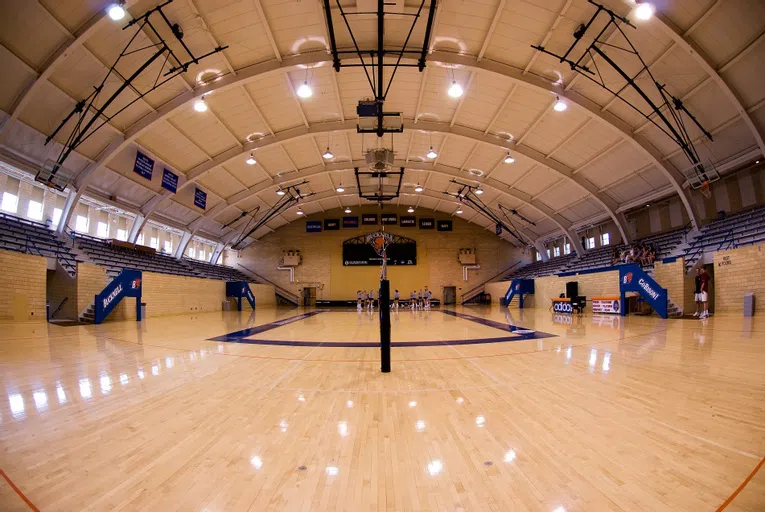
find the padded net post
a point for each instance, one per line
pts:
(384, 326)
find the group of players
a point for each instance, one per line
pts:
(417, 300)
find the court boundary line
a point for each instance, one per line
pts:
(740, 487)
(18, 492)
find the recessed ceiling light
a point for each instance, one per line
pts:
(251, 160)
(305, 91)
(115, 11)
(560, 105)
(340, 189)
(479, 191)
(455, 91)
(200, 105)
(419, 188)
(432, 153)
(509, 159)
(280, 192)
(327, 154)
(347, 210)
(410, 210)
(644, 11)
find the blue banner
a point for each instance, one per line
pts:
(169, 181)
(200, 198)
(240, 289)
(126, 284)
(408, 222)
(498, 229)
(313, 226)
(143, 165)
(350, 222)
(633, 279)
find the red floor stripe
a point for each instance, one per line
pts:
(18, 491)
(741, 487)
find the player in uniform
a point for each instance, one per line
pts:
(426, 298)
(371, 302)
(413, 300)
(419, 299)
(697, 293)
(704, 292)
(395, 299)
(363, 299)
(358, 300)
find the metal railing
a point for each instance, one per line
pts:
(293, 297)
(467, 295)
(59, 307)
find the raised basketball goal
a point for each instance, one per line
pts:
(380, 240)
(54, 175)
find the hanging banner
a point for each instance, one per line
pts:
(408, 222)
(143, 165)
(313, 226)
(169, 181)
(389, 218)
(200, 198)
(427, 223)
(350, 222)
(498, 229)
(444, 225)
(331, 224)
(369, 219)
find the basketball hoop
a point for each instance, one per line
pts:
(706, 190)
(380, 240)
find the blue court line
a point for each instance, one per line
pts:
(519, 334)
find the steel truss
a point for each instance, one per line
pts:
(379, 195)
(671, 124)
(374, 63)
(90, 114)
(467, 195)
(292, 195)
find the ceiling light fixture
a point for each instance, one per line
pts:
(299, 211)
(115, 11)
(327, 154)
(419, 188)
(251, 160)
(200, 105)
(305, 91)
(280, 192)
(560, 105)
(432, 153)
(340, 189)
(459, 210)
(455, 91)
(347, 209)
(509, 159)
(410, 210)
(644, 10)
(479, 191)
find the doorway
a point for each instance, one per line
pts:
(309, 296)
(450, 295)
(710, 268)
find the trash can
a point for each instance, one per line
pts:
(748, 304)
(143, 311)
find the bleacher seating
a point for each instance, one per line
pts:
(595, 258)
(26, 236)
(115, 258)
(542, 268)
(743, 228)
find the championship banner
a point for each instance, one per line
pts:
(169, 180)
(611, 305)
(444, 225)
(313, 226)
(331, 224)
(389, 218)
(369, 219)
(360, 250)
(200, 198)
(350, 222)
(143, 165)
(427, 223)
(408, 222)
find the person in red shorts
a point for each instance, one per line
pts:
(704, 293)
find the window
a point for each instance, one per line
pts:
(201, 254)
(556, 251)
(35, 210)
(220, 259)
(154, 242)
(192, 252)
(10, 202)
(605, 239)
(81, 224)
(539, 257)
(102, 230)
(140, 239)
(169, 246)
(122, 234)
(590, 242)
(567, 248)
(56, 216)
(548, 253)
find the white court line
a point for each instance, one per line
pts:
(708, 441)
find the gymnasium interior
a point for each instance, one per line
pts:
(399, 255)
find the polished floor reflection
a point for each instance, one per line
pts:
(567, 413)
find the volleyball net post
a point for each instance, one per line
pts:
(380, 241)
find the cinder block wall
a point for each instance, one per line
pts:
(590, 285)
(737, 272)
(91, 279)
(322, 265)
(22, 295)
(265, 295)
(672, 277)
(497, 290)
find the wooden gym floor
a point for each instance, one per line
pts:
(239, 411)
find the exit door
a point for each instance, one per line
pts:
(309, 296)
(450, 295)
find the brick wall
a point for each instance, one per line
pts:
(672, 277)
(60, 285)
(590, 285)
(22, 296)
(91, 279)
(265, 295)
(497, 290)
(737, 272)
(322, 265)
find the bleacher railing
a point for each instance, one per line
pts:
(292, 297)
(477, 289)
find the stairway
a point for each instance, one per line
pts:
(89, 315)
(673, 309)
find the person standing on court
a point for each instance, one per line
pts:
(371, 303)
(358, 300)
(705, 292)
(697, 292)
(395, 299)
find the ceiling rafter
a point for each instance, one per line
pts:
(423, 83)
(558, 18)
(513, 88)
(492, 28)
(463, 98)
